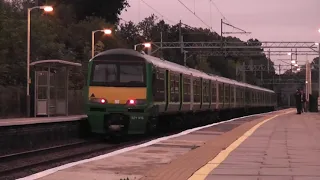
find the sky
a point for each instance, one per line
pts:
(268, 20)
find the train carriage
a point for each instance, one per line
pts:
(130, 93)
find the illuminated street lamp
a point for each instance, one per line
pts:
(298, 69)
(317, 44)
(45, 9)
(296, 65)
(105, 31)
(289, 54)
(146, 45)
(293, 61)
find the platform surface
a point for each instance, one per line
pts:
(36, 120)
(286, 148)
(176, 157)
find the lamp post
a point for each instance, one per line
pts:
(319, 70)
(105, 31)
(318, 44)
(46, 9)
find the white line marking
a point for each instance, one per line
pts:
(127, 149)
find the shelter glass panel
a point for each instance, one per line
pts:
(42, 78)
(42, 92)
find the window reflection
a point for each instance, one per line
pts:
(105, 73)
(131, 73)
(118, 74)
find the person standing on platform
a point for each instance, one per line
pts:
(298, 98)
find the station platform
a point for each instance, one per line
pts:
(37, 120)
(278, 146)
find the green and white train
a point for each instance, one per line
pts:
(133, 93)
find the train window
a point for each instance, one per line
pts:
(243, 95)
(247, 95)
(104, 73)
(253, 97)
(197, 90)
(206, 91)
(238, 94)
(159, 85)
(232, 93)
(213, 91)
(131, 73)
(260, 97)
(221, 93)
(174, 87)
(226, 93)
(186, 88)
(118, 74)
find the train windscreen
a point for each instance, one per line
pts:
(118, 74)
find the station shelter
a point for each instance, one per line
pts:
(49, 87)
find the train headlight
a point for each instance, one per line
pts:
(133, 102)
(98, 100)
(102, 101)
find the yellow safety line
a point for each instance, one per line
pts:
(204, 171)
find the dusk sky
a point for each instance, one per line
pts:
(268, 20)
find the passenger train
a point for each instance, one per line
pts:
(133, 93)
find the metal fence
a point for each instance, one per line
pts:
(13, 102)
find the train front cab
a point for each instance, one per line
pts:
(117, 94)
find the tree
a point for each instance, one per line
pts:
(129, 33)
(63, 35)
(109, 10)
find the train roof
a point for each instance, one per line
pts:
(122, 51)
(185, 70)
(177, 68)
